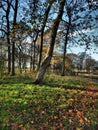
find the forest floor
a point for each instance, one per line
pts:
(59, 103)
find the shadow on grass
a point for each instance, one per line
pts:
(70, 87)
(26, 80)
(17, 80)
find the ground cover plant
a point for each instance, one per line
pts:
(59, 103)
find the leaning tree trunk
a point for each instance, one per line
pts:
(48, 57)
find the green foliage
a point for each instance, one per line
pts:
(27, 106)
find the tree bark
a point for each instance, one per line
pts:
(48, 57)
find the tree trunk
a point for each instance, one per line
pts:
(9, 55)
(8, 37)
(31, 61)
(20, 66)
(42, 33)
(34, 56)
(47, 60)
(66, 42)
(64, 53)
(13, 39)
(63, 62)
(42, 69)
(34, 46)
(13, 58)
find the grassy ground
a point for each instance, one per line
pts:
(59, 103)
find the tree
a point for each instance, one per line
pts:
(15, 8)
(90, 64)
(41, 16)
(68, 10)
(35, 36)
(8, 27)
(81, 57)
(1, 57)
(42, 30)
(21, 43)
(76, 24)
(6, 8)
(48, 57)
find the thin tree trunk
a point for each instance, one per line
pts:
(20, 59)
(9, 55)
(13, 58)
(34, 57)
(64, 52)
(42, 33)
(31, 61)
(63, 62)
(47, 60)
(20, 67)
(13, 43)
(8, 39)
(66, 42)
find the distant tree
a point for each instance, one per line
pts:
(3, 57)
(90, 64)
(81, 57)
(8, 23)
(21, 34)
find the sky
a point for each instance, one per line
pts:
(93, 51)
(77, 50)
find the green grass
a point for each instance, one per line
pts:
(67, 81)
(58, 103)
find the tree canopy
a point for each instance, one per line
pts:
(46, 27)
